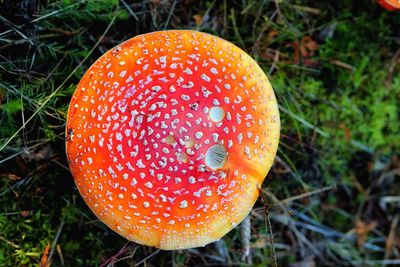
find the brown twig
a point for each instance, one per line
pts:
(147, 258)
(9, 242)
(391, 239)
(306, 194)
(274, 63)
(114, 258)
(268, 225)
(311, 10)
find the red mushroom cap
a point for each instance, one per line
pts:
(390, 5)
(170, 136)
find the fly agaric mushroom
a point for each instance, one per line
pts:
(390, 5)
(170, 136)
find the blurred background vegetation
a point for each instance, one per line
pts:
(333, 192)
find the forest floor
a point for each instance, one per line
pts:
(333, 192)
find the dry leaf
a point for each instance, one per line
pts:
(271, 35)
(362, 230)
(311, 63)
(10, 176)
(347, 132)
(310, 43)
(296, 53)
(44, 260)
(260, 243)
(304, 49)
(198, 19)
(25, 213)
(308, 46)
(2, 94)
